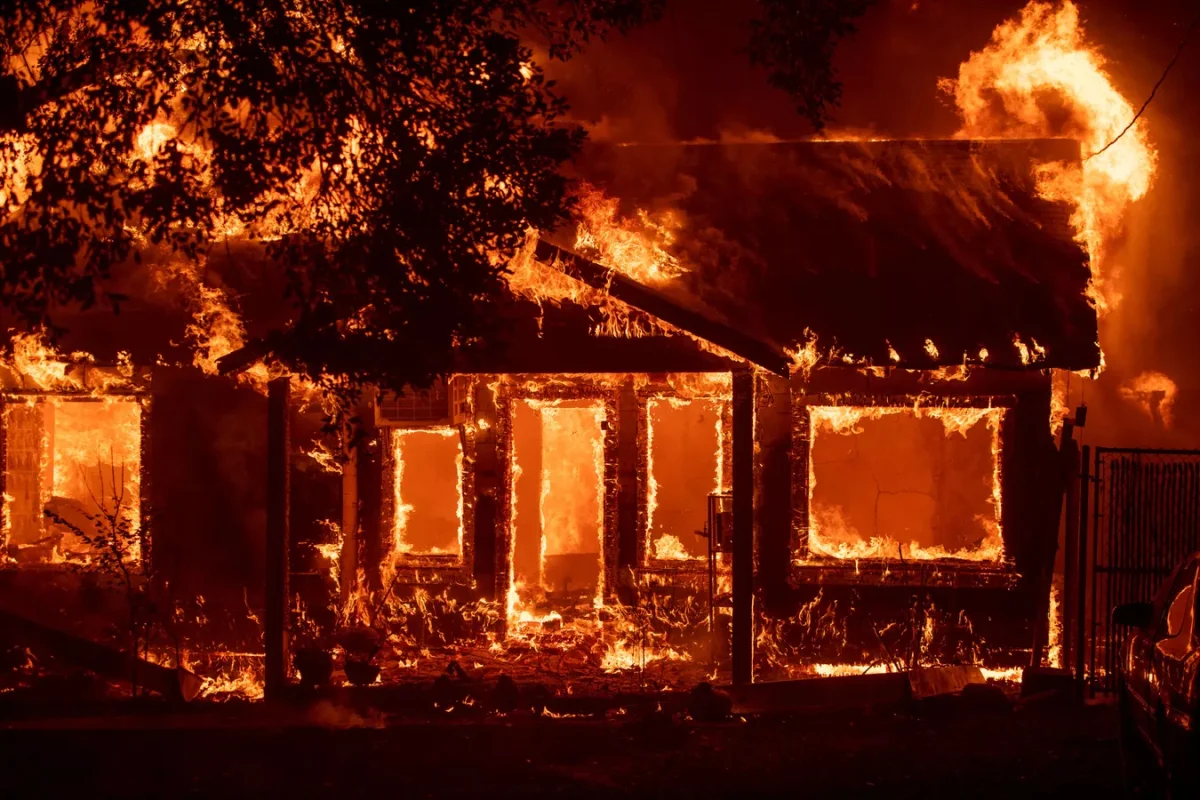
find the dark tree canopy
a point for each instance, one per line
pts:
(794, 41)
(387, 156)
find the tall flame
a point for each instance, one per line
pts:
(1154, 393)
(1037, 66)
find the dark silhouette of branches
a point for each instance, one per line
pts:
(794, 41)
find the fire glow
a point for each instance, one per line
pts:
(665, 539)
(1043, 53)
(73, 449)
(426, 450)
(831, 535)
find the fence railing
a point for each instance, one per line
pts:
(1143, 520)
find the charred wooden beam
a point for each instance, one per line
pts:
(275, 639)
(174, 684)
(242, 359)
(645, 299)
(743, 527)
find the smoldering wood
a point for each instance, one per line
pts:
(878, 689)
(174, 684)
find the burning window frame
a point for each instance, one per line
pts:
(803, 561)
(459, 417)
(702, 387)
(88, 384)
(602, 388)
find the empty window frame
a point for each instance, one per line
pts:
(888, 482)
(72, 477)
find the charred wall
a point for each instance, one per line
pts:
(207, 442)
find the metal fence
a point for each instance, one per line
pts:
(1144, 519)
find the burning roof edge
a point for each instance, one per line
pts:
(947, 245)
(664, 308)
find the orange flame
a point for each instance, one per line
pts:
(1154, 393)
(1017, 87)
(638, 249)
(831, 536)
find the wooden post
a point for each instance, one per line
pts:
(743, 527)
(487, 490)
(348, 562)
(627, 481)
(278, 497)
(1081, 571)
(1070, 555)
(773, 494)
(370, 495)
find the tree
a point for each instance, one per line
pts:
(794, 41)
(387, 157)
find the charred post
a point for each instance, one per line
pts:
(348, 567)
(278, 491)
(627, 478)
(487, 478)
(370, 495)
(743, 527)
(773, 418)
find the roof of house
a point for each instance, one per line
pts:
(869, 244)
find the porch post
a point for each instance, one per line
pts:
(743, 527)
(627, 486)
(487, 491)
(278, 495)
(348, 560)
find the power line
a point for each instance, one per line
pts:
(1178, 50)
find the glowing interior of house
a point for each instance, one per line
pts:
(686, 461)
(557, 517)
(427, 480)
(904, 483)
(72, 470)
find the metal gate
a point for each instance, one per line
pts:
(1144, 519)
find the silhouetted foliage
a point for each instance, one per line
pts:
(794, 41)
(388, 157)
(118, 557)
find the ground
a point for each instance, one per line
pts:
(945, 750)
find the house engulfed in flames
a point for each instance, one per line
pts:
(770, 410)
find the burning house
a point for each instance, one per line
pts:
(792, 402)
(770, 410)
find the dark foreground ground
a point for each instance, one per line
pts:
(945, 751)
